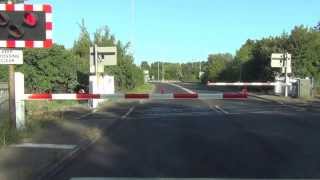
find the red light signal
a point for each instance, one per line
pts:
(30, 19)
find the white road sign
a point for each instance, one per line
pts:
(278, 60)
(8, 56)
(107, 56)
(277, 56)
(277, 63)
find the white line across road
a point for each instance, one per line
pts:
(130, 178)
(128, 113)
(221, 110)
(45, 146)
(183, 88)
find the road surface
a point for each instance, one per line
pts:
(212, 138)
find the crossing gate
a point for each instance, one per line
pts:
(243, 84)
(84, 97)
(21, 97)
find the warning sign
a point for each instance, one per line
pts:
(8, 56)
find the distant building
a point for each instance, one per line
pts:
(146, 76)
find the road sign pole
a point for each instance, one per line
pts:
(158, 71)
(286, 74)
(12, 101)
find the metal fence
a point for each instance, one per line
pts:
(3, 90)
(3, 100)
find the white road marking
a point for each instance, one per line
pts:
(221, 110)
(213, 109)
(128, 113)
(85, 115)
(183, 88)
(45, 146)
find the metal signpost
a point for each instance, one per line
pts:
(11, 57)
(101, 57)
(22, 26)
(283, 61)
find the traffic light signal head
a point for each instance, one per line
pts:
(25, 26)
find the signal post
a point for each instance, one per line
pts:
(22, 26)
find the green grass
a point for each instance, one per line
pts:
(145, 88)
(39, 115)
(318, 91)
(7, 134)
(41, 106)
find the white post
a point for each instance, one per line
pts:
(93, 89)
(94, 80)
(20, 104)
(286, 75)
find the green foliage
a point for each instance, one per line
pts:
(8, 135)
(49, 70)
(252, 60)
(127, 74)
(216, 64)
(3, 73)
(145, 65)
(145, 88)
(82, 45)
(176, 71)
(60, 70)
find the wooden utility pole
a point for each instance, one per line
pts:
(12, 101)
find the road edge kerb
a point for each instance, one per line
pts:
(53, 168)
(266, 99)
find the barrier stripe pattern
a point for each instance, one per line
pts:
(242, 84)
(225, 95)
(47, 43)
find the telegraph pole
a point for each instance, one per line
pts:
(12, 99)
(286, 73)
(12, 94)
(162, 72)
(158, 71)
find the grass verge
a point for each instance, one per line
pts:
(145, 88)
(38, 115)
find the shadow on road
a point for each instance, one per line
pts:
(212, 145)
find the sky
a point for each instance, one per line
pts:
(181, 30)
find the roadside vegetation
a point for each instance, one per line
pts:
(62, 70)
(39, 114)
(251, 61)
(145, 88)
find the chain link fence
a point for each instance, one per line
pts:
(3, 101)
(316, 88)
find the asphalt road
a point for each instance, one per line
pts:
(213, 138)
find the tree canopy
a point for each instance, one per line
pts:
(66, 70)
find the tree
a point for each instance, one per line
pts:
(305, 49)
(49, 70)
(317, 27)
(145, 65)
(244, 54)
(82, 45)
(216, 65)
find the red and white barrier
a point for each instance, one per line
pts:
(226, 95)
(242, 84)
